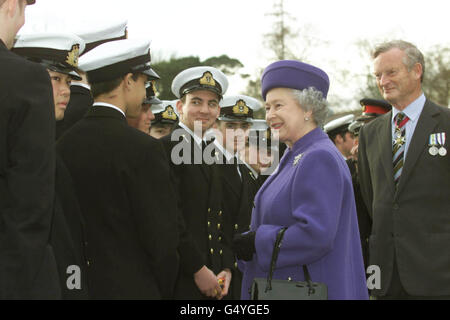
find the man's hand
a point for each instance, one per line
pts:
(354, 153)
(226, 275)
(207, 283)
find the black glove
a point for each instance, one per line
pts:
(244, 245)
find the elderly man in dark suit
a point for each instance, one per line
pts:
(121, 177)
(405, 180)
(27, 168)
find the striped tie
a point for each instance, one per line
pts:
(398, 148)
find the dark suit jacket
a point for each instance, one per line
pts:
(410, 224)
(68, 237)
(27, 169)
(80, 102)
(122, 180)
(364, 219)
(199, 196)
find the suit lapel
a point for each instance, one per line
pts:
(385, 148)
(231, 177)
(192, 146)
(425, 125)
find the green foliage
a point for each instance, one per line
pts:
(436, 82)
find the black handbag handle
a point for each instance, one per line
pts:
(273, 262)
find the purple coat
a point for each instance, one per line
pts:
(311, 193)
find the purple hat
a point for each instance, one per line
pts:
(295, 75)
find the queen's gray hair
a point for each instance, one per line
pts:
(413, 55)
(312, 100)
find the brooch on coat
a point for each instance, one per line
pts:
(297, 159)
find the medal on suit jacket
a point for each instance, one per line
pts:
(441, 141)
(433, 145)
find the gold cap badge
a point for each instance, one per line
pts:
(207, 79)
(72, 55)
(240, 108)
(169, 114)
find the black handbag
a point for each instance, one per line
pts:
(273, 289)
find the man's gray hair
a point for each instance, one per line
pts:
(312, 100)
(413, 55)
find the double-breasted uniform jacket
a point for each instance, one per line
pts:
(121, 177)
(201, 222)
(27, 169)
(238, 192)
(80, 102)
(411, 223)
(311, 194)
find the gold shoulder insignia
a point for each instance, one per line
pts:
(169, 114)
(240, 108)
(72, 56)
(207, 79)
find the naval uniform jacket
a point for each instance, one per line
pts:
(80, 102)
(311, 194)
(238, 194)
(201, 222)
(121, 178)
(411, 224)
(27, 170)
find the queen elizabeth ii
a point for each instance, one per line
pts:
(310, 193)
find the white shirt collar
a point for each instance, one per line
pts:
(104, 104)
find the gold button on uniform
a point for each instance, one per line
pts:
(220, 239)
(218, 226)
(220, 213)
(220, 252)
(209, 224)
(212, 251)
(210, 237)
(236, 227)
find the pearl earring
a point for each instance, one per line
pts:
(306, 119)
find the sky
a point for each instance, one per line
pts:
(236, 28)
